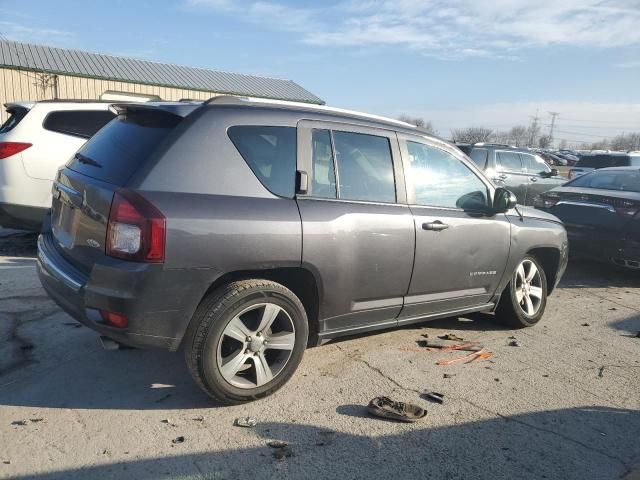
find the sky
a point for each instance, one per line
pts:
(457, 63)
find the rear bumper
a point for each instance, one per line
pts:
(611, 249)
(21, 217)
(158, 303)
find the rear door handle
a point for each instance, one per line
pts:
(533, 179)
(500, 178)
(435, 226)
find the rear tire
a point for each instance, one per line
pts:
(524, 299)
(246, 340)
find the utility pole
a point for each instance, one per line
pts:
(534, 129)
(553, 123)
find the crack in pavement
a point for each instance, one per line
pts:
(506, 418)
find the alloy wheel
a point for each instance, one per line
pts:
(528, 287)
(256, 345)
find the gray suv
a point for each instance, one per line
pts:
(247, 230)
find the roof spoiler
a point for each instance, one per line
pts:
(179, 109)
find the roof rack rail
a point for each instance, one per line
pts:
(491, 144)
(255, 101)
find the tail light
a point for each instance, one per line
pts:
(547, 200)
(136, 229)
(114, 319)
(11, 148)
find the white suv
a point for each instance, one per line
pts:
(35, 141)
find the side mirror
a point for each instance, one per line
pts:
(503, 200)
(553, 172)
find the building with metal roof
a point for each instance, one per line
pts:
(37, 72)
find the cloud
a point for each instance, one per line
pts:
(448, 28)
(24, 33)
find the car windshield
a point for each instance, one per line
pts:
(625, 180)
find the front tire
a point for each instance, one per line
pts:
(524, 299)
(246, 340)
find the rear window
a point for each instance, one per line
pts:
(270, 152)
(624, 180)
(16, 114)
(79, 123)
(117, 150)
(603, 161)
(479, 157)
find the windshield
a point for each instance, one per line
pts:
(624, 180)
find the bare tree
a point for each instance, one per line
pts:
(471, 134)
(624, 142)
(544, 141)
(518, 136)
(418, 122)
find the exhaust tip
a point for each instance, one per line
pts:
(108, 343)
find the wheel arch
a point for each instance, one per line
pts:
(549, 258)
(297, 279)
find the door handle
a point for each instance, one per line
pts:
(500, 178)
(435, 226)
(533, 179)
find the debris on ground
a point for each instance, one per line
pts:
(168, 422)
(445, 347)
(613, 308)
(448, 375)
(283, 452)
(177, 440)
(277, 444)
(19, 423)
(496, 379)
(601, 371)
(384, 407)
(199, 418)
(36, 420)
(247, 422)
(472, 357)
(7, 462)
(586, 325)
(451, 336)
(433, 397)
(514, 343)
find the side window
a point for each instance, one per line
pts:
(529, 162)
(479, 157)
(365, 168)
(509, 161)
(270, 152)
(323, 175)
(79, 123)
(441, 180)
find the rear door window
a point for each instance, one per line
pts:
(270, 152)
(509, 161)
(79, 123)
(365, 167)
(117, 150)
(16, 114)
(533, 164)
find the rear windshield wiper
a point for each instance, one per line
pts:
(86, 160)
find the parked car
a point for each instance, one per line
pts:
(246, 230)
(552, 159)
(600, 211)
(570, 156)
(35, 141)
(593, 161)
(522, 171)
